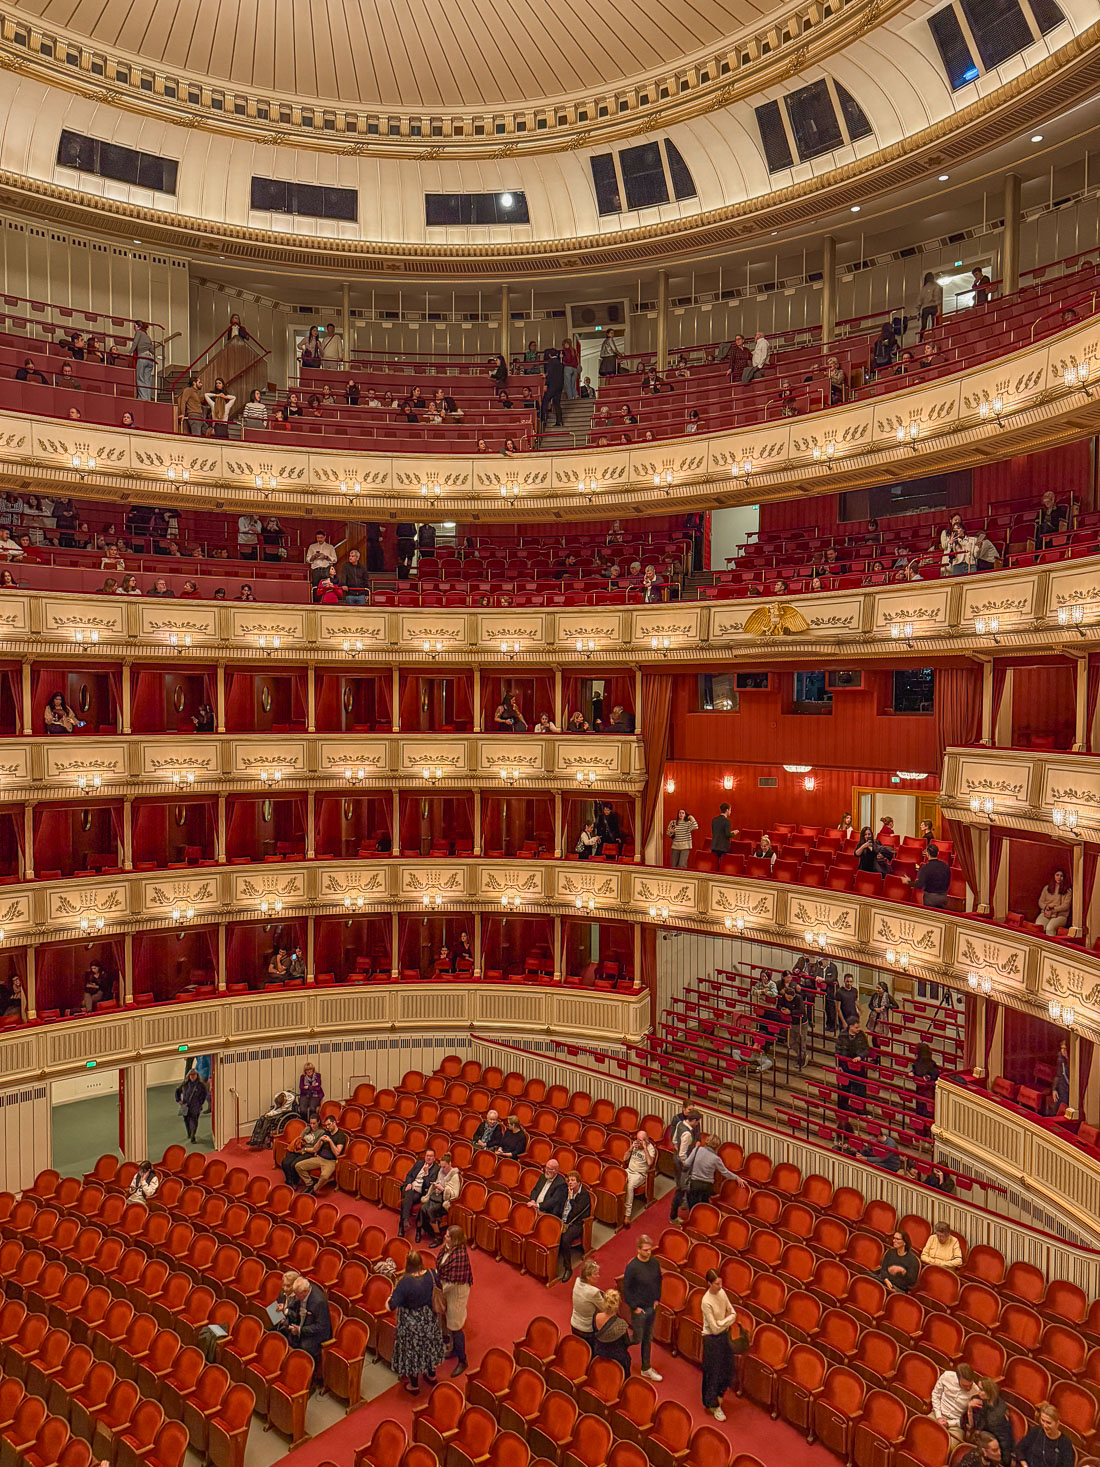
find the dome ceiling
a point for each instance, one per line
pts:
(404, 53)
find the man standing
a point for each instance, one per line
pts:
(308, 1321)
(326, 1154)
(760, 353)
(332, 346)
(933, 879)
(554, 377)
(793, 1010)
(641, 1290)
(848, 999)
(705, 1165)
(852, 1050)
(320, 558)
(548, 1193)
(414, 1188)
(576, 1208)
(720, 832)
(686, 1130)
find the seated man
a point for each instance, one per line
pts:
(328, 1152)
(308, 1323)
(305, 1145)
(576, 1207)
(414, 1188)
(548, 1193)
(489, 1134)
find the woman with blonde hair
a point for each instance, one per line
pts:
(587, 1298)
(612, 1333)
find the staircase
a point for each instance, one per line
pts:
(576, 423)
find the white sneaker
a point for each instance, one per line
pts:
(651, 1374)
(718, 1414)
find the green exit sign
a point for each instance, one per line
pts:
(183, 1048)
(90, 1064)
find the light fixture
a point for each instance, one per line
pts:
(944, 177)
(981, 804)
(727, 781)
(1076, 375)
(1036, 137)
(661, 645)
(183, 914)
(827, 452)
(89, 781)
(183, 777)
(353, 646)
(586, 646)
(358, 902)
(798, 768)
(809, 782)
(587, 486)
(988, 626)
(897, 959)
(1064, 817)
(855, 209)
(510, 776)
(83, 462)
(431, 899)
(269, 641)
(350, 488)
(506, 201)
(178, 473)
(90, 637)
(510, 649)
(670, 786)
(509, 491)
(742, 467)
(902, 631)
(433, 649)
(271, 776)
(1062, 1013)
(271, 906)
(815, 939)
(659, 914)
(910, 774)
(266, 481)
(662, 476)
(1071, 616)
(992, 407)
(737, 922)
(355, 776)
(93, 923)
(510, 900)
(433, 776)
(180, 643)
(586, 776)
(431, 489)
(909, 433)
(585, 902)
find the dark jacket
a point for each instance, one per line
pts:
(554, 1200)
(489, 1134)
(553, 373)
(314, 1322)
(720, 831)
(354, 577)
(994, 1419)
(581, 1208)
(192, 1096)
(413, 1172)
(513, 1143)
(1037, 1450)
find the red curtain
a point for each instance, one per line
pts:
(1000, 670)
(958, 706)
(1088, 885)
(963, 840)
(1093, 691)
(992, 1019)
(656, 724)
(1085, 1052)
(996, 844)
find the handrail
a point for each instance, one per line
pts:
(262, 353)
(72, 312)
(1060, 310)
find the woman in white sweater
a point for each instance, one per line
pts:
(681, 828)
(718, 1315)
(587, 1298)
(1055, 904)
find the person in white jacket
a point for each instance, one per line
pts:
(761, 350)
(640, 1160)
(145, 1184)
(442, 1192)
(951, 1395)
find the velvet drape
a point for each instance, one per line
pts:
(655, 718)
(958, 706)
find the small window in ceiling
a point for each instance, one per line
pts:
(498, 208)
(314, 201)
(813, 121)
(855, 119)
(996, 29)
(170, 90)
(683, 185)
(999, 28)
(607, 185)
(643, 176)
(110, 160)
(777, 149)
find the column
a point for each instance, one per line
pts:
(396, 812)
(987, 702)
(28, 842)
(220, 852)
(127, 835)
(478, 726)
(311, 844)
(477, 822)
(1002, 729)
(1077, 913)
(828, 291)
(1010, 240)
(345, 312)
(220, 699)
(639, 815)
(30, 986)
(662, 320)
(477, 945)
(28, 716)
(311, 699)
(559, 833)
(127, 975)
(557, 697)
(395, 960)
(558, 964)
(1072, 1113)
(1081, 705)
(126, 698)
(311, 924)
(981, 856)
(223, 977)
(395, 694)
(505, 341)
(134, 1115)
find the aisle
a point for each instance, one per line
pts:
(502, 1303)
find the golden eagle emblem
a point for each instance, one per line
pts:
(780, 620)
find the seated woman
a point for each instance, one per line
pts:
(900, 1265)
(281, 1109)
(765, 851)
(1055, 904)
(276, 965)
(59, 718)
(442, 1192)
(303, 1146)
(514, 1142)
(144, 1185)
(97, 988)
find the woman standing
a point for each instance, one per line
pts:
(612, 1336)
(587, 1298)
(881, 1003)
(455, 1274)
(418, 1341)
(929, 302)
(718, 1315)
(681, 828)
(311, 1092)
(191, 1097)
(571, 363)
(220, 402)
(310, 349)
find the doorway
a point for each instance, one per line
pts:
(907, 811)
(164, 1125)
(86, 1121)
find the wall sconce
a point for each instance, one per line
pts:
(83, 461)
(798, 768)
(512, 900)
(266, 481)
(670, 786)
(1064, 817)
(89, 781)
(510, 776)
(509, 491)
(89, 637)
(271, 906)
(981, 804)
(179, 643)
(177, 474)
(988, 626)
(659, 914)
(183, 914)
(735, 923)
(992, 407)
(662, 476)
(181, 778)
(661, 645)
(585, 903)
(358, 902)
(93, 923)
(269, 642)
(1062, 1013)
(815, 939)
(744, 467)
(1071, 616)
(909, 434)
(975, 982)
(433, 776)
(271, 776)
(586, 646)
(509, 649)
(828, 452)
(3, 933)
(587, 486)
(431, 899)
(431, 489)
(727, 781)
(433, 649)
(1075, 376)
(354, 776)
(902, 631)
(586, 776)
(809, 782)
(350, 488)
(897, 959)
(910, 774)
(352, 648)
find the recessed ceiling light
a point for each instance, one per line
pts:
(855, 208)
(506, 200)
(944, 177)
(1036, 137)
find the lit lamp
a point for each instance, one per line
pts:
(509, 491)
(271, 906)
(358, 902)
(981, 804)
(1062, 1013)
(727, 781)
(183, 777)
(977, 981)
(902, 631)
(355, 776)
(585, 902)
(661, 645)
(433, 776)
(809, 782)
(586, 776)
(180, 643)
(988, 626)
(828, 452)
(509, 649)
(742, 467)
(353, 646)
(735, 923)
(1064, 816)
(587, 486)
(659, 914)
(431, 489)
(509, 776)
(586, 646)
(510, 900)
(433, 649)
(909, 433)
(183, 914)
(431, 899)
(83, 461)
(92, 923)
(350, 488)
(1072, 616)
(1075, 376)
(662, 476)
(897, 959)
(88, 781)
(266, 481)
(992, 407)
(178, 474)
(270, 642)
(271, 776)
(91, 636)
(670, 786)
(815, 939)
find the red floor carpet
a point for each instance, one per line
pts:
(502, 1303)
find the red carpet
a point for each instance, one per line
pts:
(501, 1305)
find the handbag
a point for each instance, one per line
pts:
(439, 1299)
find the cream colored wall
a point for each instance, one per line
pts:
(211, 309)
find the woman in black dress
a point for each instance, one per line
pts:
(418, 1342)
(866, 851)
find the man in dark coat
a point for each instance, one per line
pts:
(720, 832)
(548, 1193)
(308, 1321)
(414, 1188)
(553, 373)
(191, 1097)
(576, 1207)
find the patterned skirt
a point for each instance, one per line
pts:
(418, 1343)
